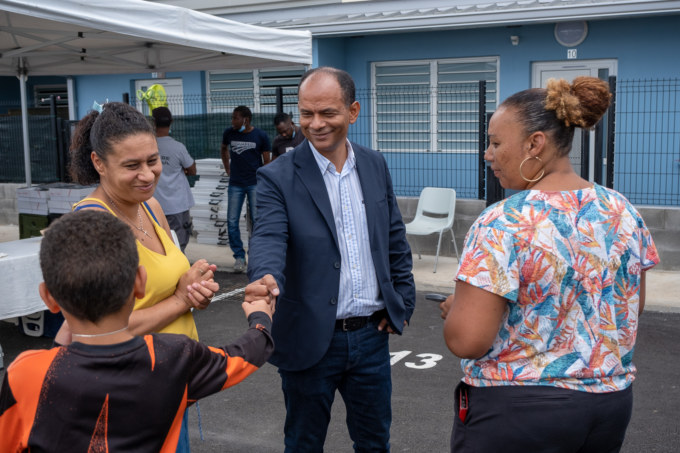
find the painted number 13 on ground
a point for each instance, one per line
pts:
(425, 360)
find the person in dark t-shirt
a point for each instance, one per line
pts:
(289, 136)
(244, 149)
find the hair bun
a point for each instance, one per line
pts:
(566, 105)
(581, 103)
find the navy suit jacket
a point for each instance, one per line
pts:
(295, 240)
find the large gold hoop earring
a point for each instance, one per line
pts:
(539, 176)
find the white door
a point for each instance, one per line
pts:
(173, 91)
(568, 70)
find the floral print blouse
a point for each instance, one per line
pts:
(569, 264)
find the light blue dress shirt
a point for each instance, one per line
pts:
(359, 293)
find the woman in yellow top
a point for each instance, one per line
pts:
(117, 149)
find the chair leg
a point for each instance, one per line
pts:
(436, 258)
(455, 246)
(415, 244)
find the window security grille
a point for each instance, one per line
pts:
(430, 106)
(42, 93)
(255, 89)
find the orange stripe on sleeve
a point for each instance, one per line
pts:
(237, 370)
(26, 376)
(217, 351)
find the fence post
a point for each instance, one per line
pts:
(64, 132)
(279, 100)
(599, 152)
(126, 98)
(24, 122)
(611, 129)
(481, 139)
(54, 128)
(489, 186)
(494, 191)
(585, 156)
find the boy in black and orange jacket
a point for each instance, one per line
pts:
(108, 390)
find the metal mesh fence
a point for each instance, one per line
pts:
(429, 137)
(43, 148)
(423, 146)
(647, 141)
(199, 121)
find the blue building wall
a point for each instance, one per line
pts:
(642, 47)
(99, 88)
(330, 52)
(635, 43)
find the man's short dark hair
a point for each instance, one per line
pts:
(162, 116)
(344, 80)
(89, 263)
(244, 112)
(282, 117)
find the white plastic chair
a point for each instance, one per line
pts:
(435, 212)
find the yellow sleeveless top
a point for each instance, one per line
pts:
(163, 272)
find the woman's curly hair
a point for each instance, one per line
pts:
(560, 107)
(98, 132)
(581, 103)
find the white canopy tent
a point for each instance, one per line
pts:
(76, 37)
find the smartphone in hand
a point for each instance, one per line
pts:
(439, 298)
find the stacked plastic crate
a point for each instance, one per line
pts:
(209, 214)
(39, 205)
(33, 200)
(64, 195)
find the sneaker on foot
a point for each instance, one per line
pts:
(239, 265)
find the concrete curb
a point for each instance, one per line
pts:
(663, 287)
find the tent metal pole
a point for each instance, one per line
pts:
(24, 121)
(71, 90)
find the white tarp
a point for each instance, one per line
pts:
(76, 37)
(72, 37)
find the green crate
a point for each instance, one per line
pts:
(31, 224)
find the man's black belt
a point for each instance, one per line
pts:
(357, 322)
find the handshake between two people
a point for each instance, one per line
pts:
(197, 288)
(260, 295)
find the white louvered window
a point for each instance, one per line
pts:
(255, 89)
(431, 106)
(288, 80)
(402, 120)
(230, 89)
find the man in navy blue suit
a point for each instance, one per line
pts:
(330, 246)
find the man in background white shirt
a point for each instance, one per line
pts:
(173, 191)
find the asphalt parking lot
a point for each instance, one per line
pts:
(249, 417)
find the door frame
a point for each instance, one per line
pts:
(587, 68)
(174, 87)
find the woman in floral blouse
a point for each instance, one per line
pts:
(549, 289)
